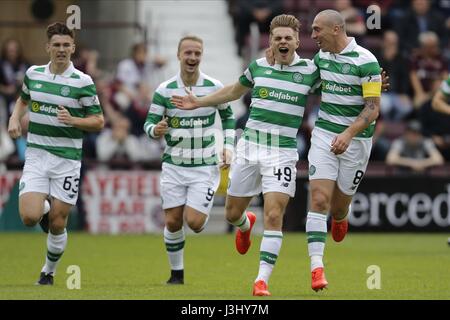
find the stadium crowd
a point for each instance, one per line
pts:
(412, 46)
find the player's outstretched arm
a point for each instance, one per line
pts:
(226, 94)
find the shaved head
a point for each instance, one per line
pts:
(331, 18)
(328, 29)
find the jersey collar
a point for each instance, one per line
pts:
(295, 61)
(200, 80)
(350, 47)
(67, 73)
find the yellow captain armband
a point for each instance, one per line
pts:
(371, 89)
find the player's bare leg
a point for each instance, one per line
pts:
(195, 219)
(174, 238)
(31, 207)
(274, 206)
(339, 210)
(56, 240)
(321, 191)
(236, 215)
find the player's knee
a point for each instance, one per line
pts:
(195, 224)
(232, 212)
(29, 214)
(57, 224)
(173, 224)
(273, 217)
(319, 201)
(29, 220)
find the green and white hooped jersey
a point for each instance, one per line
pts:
(191, 136)
(44, 92)
(347, 78)
(278, 100)
(445, 88)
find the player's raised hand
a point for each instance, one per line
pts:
(14, 128)
(161, 128)
(270, 57)
(187, 102)
(384, 81)
(64, 116)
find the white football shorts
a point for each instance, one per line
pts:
(347, 169)
(191, 186)
(258, 168)
(47, 173)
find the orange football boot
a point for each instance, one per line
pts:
(318, 281)
(260, 289)
(339, 229)
(243, 241)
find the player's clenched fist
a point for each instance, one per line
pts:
(161, 128)
(14, 128)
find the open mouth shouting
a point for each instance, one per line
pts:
(284, 51)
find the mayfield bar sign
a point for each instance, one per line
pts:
(123, 202)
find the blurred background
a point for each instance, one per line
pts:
(129, 47)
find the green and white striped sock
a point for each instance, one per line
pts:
(316, 232)
(56, 244)
(174, 242)
(243, 223)
(270, 248)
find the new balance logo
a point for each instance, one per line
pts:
(71, 196)
(285, 184)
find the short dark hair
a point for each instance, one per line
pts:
(60, 29)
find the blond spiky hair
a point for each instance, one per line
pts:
(285, 20)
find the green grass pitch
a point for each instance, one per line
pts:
(413, 266)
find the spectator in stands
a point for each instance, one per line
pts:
(354, 19)
(395, 103)
(428, 68)
(117, 146)
(134, 72)
(12, 70)
(259, 11)
(413, 152)
(137, 112)
(85, 60)
(420, 18)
